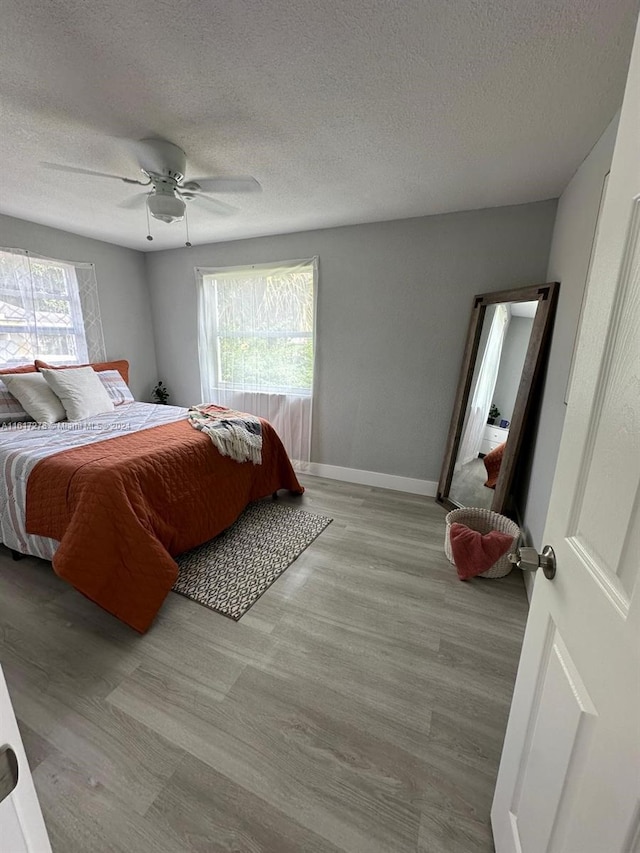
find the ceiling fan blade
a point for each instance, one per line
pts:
(134, 202)
(237, 184)
(158, 156)
(220, 207)
(61, 168)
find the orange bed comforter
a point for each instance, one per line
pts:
(123, 508)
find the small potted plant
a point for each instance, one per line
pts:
(494, 414)
(160, 394)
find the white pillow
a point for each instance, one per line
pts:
(80, 390)
(37, 398)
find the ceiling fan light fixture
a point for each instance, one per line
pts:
(166, 207)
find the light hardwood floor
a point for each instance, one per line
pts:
(360, 705)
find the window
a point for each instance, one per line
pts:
(264, 328)
(256, 343)
(49, 310)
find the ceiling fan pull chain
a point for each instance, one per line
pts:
(149, 237)
(186, 225)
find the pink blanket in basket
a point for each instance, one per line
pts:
(474, 553)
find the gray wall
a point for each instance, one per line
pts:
(122, 290)
(512, 357)
(568, 263)
(394, 301)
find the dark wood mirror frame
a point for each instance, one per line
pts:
(546, 295)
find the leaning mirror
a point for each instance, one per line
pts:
(502, 361)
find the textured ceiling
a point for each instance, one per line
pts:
(346, 111)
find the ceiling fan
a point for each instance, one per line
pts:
(164, 166)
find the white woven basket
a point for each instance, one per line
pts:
(483, 520)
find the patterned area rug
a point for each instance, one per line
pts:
(230, 573)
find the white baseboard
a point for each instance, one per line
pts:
(428, 488)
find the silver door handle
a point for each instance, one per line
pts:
(529, 560)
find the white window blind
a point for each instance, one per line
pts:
(256, 344)
(49, 309)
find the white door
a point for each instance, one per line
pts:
(22, 828)
(569, 778)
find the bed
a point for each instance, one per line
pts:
(111, 501)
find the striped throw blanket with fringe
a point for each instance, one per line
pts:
(235, 434)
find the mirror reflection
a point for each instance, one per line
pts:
(502, 350)
(502, 363)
